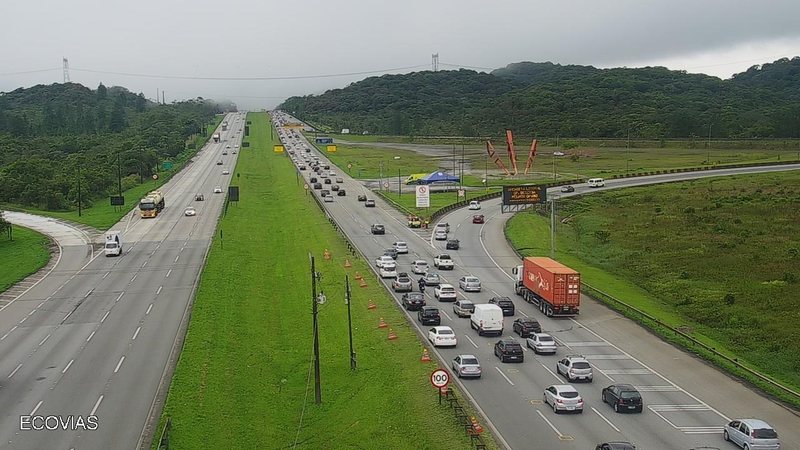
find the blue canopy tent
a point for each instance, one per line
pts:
(439, 177)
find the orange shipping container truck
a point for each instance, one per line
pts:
(550, 285)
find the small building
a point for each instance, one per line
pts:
(345, 130)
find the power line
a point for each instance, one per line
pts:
(743, 61)
(24, 72)
(297, 77)
(466, 67)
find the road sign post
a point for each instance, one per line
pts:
(439, 379)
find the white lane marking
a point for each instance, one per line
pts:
(144, 264)
(551, 372)
(44, 340)
(148, 309)
(177, 257)
(587, 344)
(68, 364)
(523, 313)
(136, 334)
(14, 371)
(168, 273)
(26, 318)
(9, 332)
(605, 357)
(96, 405)
(627, 372)
(104, 316)
(446, 315)
(607, 421)
(159, 290)
(119, 364)
(40, 304)
(134, 278)
(106, 274)
(504, 375)
(120, 296)
(90, 336)
(31, 313)
(67, 316)
(604, 373)
(36, 408)
(553, 427)
(657, 388)
(88, 293)
(471, 341)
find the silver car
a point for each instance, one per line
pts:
(440, 235)
(541, 343)
(466, 366)
(432, 279)
(563, 397)
(753, 434)
(469, 284)
(575, 367)
(463, 308)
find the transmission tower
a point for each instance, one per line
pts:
(66, 70)
(435, 62)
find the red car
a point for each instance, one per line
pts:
(477, 218)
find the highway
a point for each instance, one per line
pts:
(686, 400)
(86, 348)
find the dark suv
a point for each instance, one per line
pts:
(378, 229)
(505, 304)
(509, 350)
(429, 315)
(413, 301)
(525, 326)
(623, 397)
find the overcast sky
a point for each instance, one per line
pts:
(145, 42)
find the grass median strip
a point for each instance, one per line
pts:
(244, 380)
(22, 256)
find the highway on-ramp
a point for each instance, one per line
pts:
(83, 352)
(686, 400)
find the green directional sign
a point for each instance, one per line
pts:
(166, 166)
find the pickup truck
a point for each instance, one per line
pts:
(443, 262)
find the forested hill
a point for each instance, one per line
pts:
(47, 132)
(577, 101)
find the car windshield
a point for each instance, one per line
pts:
(111, 245)
(568, 394)
(471, 279)
(420, 264)
(581, 365)
(416, 296)
(765, 433)
(470, 361)
(546, 338)
(431, 312)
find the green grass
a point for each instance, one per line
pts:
(22, 256)
(718, 257)
(439, 200)
(366, 161)
(242, 379)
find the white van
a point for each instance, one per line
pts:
(596, 182)
(487, 319)
(113, 246)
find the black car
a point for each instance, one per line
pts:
(525, 326)
(302, 167)
(505, 304)
(327, 181)
(317, 185)
(341, 193)
(567, 188)
(623, 397)
(362, 198)
(453, 244)
(335, 187)
(199, 198)
(429, 315)
(369, 203)
(378, 229)
(312, 180)
(508, 350)
(390, 252)
(325, 193)
(413, 301)
(326, 167)
(219, 163)
(616, 446)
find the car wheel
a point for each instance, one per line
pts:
(555, 410)
(746, 447)
(725, 435)
(544, 399)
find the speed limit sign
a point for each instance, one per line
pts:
(386, 184)
(305, 186)
(440, 378)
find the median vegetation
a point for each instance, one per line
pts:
(25, 253)
(245, 378)
(718, 258)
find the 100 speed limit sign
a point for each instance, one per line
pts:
(440, 378)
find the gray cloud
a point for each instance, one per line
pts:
(239, 38)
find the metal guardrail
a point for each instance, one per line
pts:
(463, 418)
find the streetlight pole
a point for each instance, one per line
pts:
(79, 188)
(486, 173)
(627, 150)
(553, 228)
(314, 311)
(381, 169)
(399, 191)
(347, 299)
(708, 151)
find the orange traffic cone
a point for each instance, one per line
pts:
(392, 336)
(358, 276)
(347, 264)
(476, 428)
(382, 324)
(362, 282)
(326, 254)
(371, 305)
(425, 356)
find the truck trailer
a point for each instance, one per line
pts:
(152, 204)
(550, 285)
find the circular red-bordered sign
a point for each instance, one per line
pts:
(440, 378)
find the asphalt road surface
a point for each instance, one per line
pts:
(82, 352)
(686, 401)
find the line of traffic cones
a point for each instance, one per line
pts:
(382, 324)
(362, 283)
(476, 428)
(358, 276)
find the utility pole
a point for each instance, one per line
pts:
(461, 178)
(553, 228)
(381, 168)
(627, 149)
(79, 188)
(708, 151)
(399, 192)
(314, 311)
(347, 299)
(486, 173)
(119, 176)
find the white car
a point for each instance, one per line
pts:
(445, 292)
(401, 247)
(190, 211)
(419, 267)
(384, 260)
(475, 205)
(440, 235)
(466, 366)
(218, 190)
(542, 343)
(563, 397)
(388, 270)
(443, 262)
(226, 172)
(332, 173)
(327, 199)
(442, 336)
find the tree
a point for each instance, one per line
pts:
(5, 226)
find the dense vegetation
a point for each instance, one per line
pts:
(50, 134)
(576, 101)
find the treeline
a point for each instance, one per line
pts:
(550, 100)
(52, 136)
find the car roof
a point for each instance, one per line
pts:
(625, 386)
(576, 358)
(442, 327)
(541, 334)
(445, 285)
(420, 261)
(755, 423)
(564, 388)
(468, 356)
